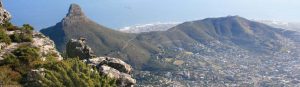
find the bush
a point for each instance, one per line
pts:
(10, 59)
(9, 77)
(16, 37)
(4, 37)
(7, 24)
(23, 59)
(21, 37)
(17, 64)
(27, 27)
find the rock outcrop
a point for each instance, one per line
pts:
(4, 15)
(111, 67)
(78, 48)
(123, 79)
(46, 46)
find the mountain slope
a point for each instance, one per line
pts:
(103, 41)
(139, 49)
(232, 30)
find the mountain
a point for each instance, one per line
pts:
(103, 41)
(232, 30)
(213, 52)
(148, 27)
(137, 49)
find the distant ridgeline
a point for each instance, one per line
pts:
(209, 52)
(30, 59)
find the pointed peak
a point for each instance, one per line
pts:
(75, 10)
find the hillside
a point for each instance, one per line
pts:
(103, 41)
(231, 30)
(137, 49)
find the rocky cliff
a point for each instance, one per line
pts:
(111, 67)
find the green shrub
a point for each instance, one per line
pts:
(24, 34)
(17, 64)
(12, 28)
(10, 59)
(15, 37)
(21, 37)
(4, 37)
(9, 76)
(7, 24)
(23, 59)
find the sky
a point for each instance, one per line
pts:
(121, 13)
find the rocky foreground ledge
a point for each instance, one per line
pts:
(112, 67)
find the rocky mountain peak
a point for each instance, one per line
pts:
(74, 15)
(75, 10)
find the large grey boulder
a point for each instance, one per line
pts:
(112, 62)
(4, 15)
(114, 68)
(123, 79)
(79, 48)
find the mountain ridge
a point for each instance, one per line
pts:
(138, 49)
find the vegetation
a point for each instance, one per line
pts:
(22, 34)
(72, 73)
(21, 37)
(9, 26)
(25, 34)
(16, 65)
(4, 38)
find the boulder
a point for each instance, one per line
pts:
(79, 48)
(112, 62)
(122, 79)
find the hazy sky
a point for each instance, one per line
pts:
(121, 13)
